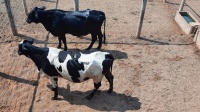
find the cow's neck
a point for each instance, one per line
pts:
(38, 55)
(46, 19)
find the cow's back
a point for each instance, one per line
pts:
(96, 16)
(77, 66)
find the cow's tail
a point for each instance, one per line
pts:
(111, 66)
(104, 34)
(110, 56)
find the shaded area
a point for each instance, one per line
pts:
(29, 38)
(136, 41)
(22, 36)
(34, 94)
(116, 53)
(24, 81)
(109, 102)
(17, 79)
(155, 42)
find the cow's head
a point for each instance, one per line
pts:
(23, 47)
(33, 15)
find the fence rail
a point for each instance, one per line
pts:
(190, 5)
(13, 14)
(20, 8)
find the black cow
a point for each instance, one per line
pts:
(77, 23)
(73, 65)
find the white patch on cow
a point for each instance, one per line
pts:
(53, 53)
(64, 72)
(94, 68)
(21, 42)
(54, 60)
(92, 64)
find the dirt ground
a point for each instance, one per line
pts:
(158, 72)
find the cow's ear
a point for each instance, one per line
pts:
(36, 14)
(43, 8)
(24, 47)
(35, 8)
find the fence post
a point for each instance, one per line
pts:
(181, 6)
(144, 3)
(76, 5)
(25, 7)
(57, 4)
(11, 17)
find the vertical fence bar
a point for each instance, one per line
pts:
(144, 3)
(76, 5)
(57, 4)
(11, 17)
(25, 7)
(181, 6)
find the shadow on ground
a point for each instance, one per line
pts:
(17, 79)
(116, 53)
(24, 81)
(102, 101)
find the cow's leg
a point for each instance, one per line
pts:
(59, 40)
(96, 85)
(54, 82)
(100, 35)
(64, 42)
(94, 38)
(110, 78)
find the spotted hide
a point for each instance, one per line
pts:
(73, 65)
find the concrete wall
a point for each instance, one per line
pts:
(188, 28)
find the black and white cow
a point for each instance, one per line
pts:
(77, 23)
(73, 65)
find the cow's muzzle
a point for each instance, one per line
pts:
(19, 53)
(28, 21)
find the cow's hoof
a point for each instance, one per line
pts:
(99, 47)
(109, 91)
(87, 49)
(54, 98)
(59, 46)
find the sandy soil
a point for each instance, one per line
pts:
(157, 73)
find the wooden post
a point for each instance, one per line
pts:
(141, 18)
(11, 17)
(25, 7)
(181, 6)
(76, 5)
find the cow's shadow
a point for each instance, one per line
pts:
(116, 53)
(102, 101)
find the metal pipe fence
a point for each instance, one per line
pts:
(190, 5)
(20, 8)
